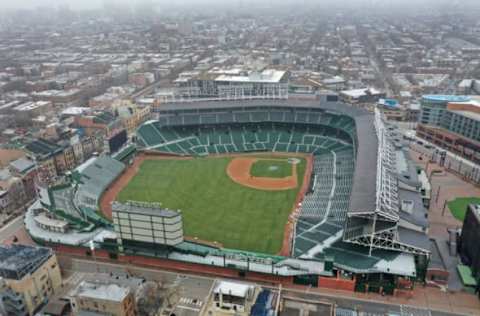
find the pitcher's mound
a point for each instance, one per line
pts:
(239, 171)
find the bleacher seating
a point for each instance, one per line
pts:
(241, 137)
(324, 210)
(63, 199)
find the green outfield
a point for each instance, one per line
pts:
(214, 207)
(458, 207)
(271, 168)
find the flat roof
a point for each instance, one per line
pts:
(446, 98)
(22, 164)
(28, 106)
(232, 288)
(356, 93)
(266, 76)
(102, 291)
(75, 110)
(18, 260)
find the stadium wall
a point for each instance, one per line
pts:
(337, 283)
(171, 265)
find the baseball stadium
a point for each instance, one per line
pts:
(310, 192)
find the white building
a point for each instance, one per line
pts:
(233, 297)
(233, 83)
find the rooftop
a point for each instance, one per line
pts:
(232, 288)
(357, 93)
(101, 291)
(43, 147)
(28, 106)
(266, 76)
(75, 110)
(18, 260)
(446, 98)
(22, 164)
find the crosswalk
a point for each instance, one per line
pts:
(191, 301)
(414, 311)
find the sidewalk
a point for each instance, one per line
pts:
(423, 297)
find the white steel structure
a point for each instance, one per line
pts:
(378, 228)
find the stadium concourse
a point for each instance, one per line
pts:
(362, 224)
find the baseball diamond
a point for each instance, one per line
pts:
(215, 207)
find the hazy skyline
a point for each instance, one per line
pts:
(98, 4)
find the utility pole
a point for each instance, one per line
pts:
(277, 306)
(444, 207)
(438, 194)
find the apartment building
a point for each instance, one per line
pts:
(102, 298)
(29, 277)
(452, 122)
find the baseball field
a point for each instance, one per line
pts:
(217, 208)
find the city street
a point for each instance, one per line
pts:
(341, 299)
(11, 228)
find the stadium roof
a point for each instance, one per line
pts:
(363, 197)
(322, 104)
(413, 238)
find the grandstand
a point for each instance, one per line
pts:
(275, 137)
(77, 200)
(94, 176)
(351, 212)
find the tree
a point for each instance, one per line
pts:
(148, 298)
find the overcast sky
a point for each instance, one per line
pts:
(95, 4)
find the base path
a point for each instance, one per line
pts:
(239, 171)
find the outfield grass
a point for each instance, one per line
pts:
(271, 168)
(214, 207)
(458, 207)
